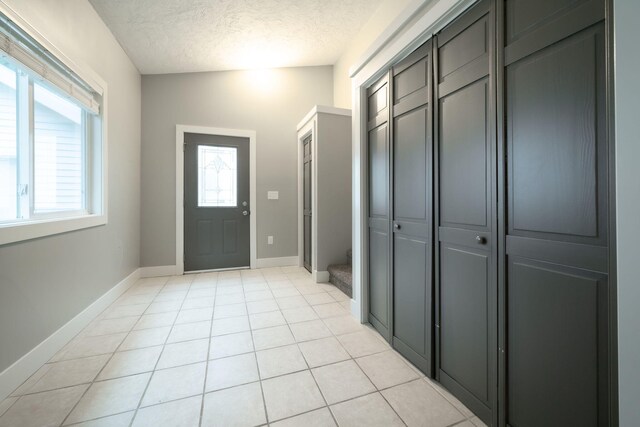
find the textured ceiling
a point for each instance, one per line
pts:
(175, 36)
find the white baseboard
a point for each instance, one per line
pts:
(23, 368)
(285, 261)
(356, 312)
(158, 271)
(321, 276)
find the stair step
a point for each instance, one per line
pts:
(341, 276)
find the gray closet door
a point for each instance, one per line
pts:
(379, 260)
(556, 292)
(412, 208)
(307, 177)
(467, 275)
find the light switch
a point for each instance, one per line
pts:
(272, 195)
(269, 240)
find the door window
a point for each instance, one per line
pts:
(217, 176)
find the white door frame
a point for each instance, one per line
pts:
(309, 129)
(180, 131)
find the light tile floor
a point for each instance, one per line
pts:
(237, 348)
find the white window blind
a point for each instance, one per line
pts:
(20, 49)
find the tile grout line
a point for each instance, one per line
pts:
(206, 368)
(108, 360)
(135, 414)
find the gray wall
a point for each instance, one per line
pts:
(334, 190)
(44, 283)
(272, 105)
(627, 70)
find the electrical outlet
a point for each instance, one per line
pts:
(270, 240)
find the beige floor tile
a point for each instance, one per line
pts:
(131, 362)
(299, 314)
(42, 409)
(6, 404)
(321, 298)
(110, 326)
(318, 418)
(230, 345)
(229, 299)
(120, 420)
(451, 398)
(89, 346)
(135, 299)
(125, 311)
(342, 381)
(201, 293)
(231, 372)
(164, 306)
(179, 413)
(280, 361)
(170, 296)
(230, 325)
(386, 369)
(189, 332)
(286, 290)
(281, 283)
(150, 321)
(258, 295)
(343, 324)
(476, 422)
(175, 383)
(371, 411)
(231, 310)
(312, 330)
(193, 315)
(145, 338)
(68, 373)
(323, 351)
(256, 285)
(266, 320)
(339, 296)
(272, 337)
(308, 289)
(291, 394)
(184, 353)
(237, 406)
(330, 310)
(418, 404)
(362, 343)
(263, 306)
(292, 302)
(225, 288)
(198, 303)
(109, 398)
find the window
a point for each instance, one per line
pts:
(51, 145)
(217, 176)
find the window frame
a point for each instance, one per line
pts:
(95, 159)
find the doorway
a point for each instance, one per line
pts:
(215, 199)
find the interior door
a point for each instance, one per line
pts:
(216, 202)
(412, 208)
(307, 177)
(379, 260)
(467, 276)
(557, 273)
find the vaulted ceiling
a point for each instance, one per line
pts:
(175, 36)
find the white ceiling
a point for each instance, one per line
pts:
(175, 36)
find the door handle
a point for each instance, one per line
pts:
(397, 226)
(481, 240)
(245, 213)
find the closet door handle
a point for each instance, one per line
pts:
(481, 240)
(396, 226)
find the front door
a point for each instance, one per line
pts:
(216, 202)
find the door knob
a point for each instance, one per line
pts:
(245, 213)
(481, 240)
(397, 226)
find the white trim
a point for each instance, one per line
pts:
(253, 206)
(158, 271)
(323, 109)
(310, 128)
(285, 261)
(18, 232)
(376, 60)
(321, 276)
(13, 376)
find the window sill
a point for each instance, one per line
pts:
(19, 232)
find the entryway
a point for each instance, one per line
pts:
(215, 203)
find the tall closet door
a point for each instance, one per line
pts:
(379, 260)
(412, 208)
(466, 200)
(556, 291)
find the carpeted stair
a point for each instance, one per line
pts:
(341, 275)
